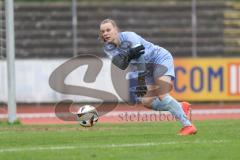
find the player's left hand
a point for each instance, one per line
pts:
(141, 89)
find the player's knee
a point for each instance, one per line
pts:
(147, 102)
(162, 103)
(161, 97)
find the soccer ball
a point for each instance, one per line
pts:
(87, 116)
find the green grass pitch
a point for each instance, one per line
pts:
(216, 140)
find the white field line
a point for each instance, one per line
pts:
(118, 113)
(126, 145)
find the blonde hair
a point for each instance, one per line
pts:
(107, 21)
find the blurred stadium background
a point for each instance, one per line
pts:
(203, 37)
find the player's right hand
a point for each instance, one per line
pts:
(136, 52)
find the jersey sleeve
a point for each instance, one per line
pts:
(133, 38)
(112, 50)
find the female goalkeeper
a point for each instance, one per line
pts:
(155, 71)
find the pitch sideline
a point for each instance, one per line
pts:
(126, 145)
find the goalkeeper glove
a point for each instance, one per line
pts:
(141, 89)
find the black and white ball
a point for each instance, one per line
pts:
(87, 116)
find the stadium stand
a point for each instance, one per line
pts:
(44, 30)
(232, 29)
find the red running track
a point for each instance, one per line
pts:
(45, 114)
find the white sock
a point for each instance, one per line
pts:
(173, 106)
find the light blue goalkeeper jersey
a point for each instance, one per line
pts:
(153, 53)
